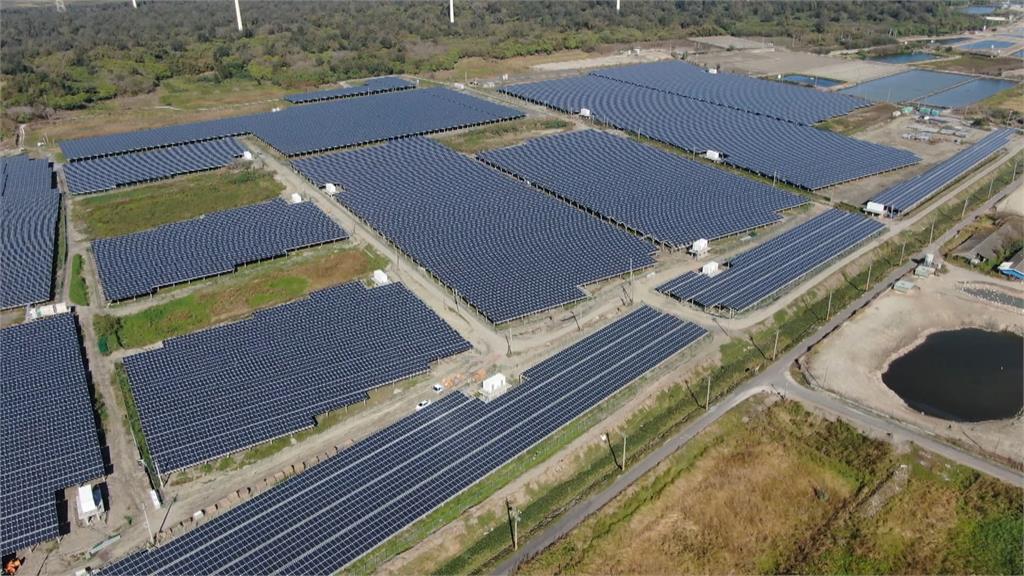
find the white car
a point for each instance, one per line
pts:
(423, 404)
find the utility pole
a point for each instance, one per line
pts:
(931, 233)
(828, 313)
(775, 348)
(867, 284)
(618, 5)
(61, 8)
(964, 211)
(135, 4)
(707, 397)
(623, 466)
(992, 182)
(514, 516)
(903, 249)
(508, 339)
(238, 15)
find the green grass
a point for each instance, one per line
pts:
(503, 134)
(123, 212)
(237, 295)
(78, 292)
(132, 422)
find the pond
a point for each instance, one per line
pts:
(815, 81)
(908, 58)
(966, 375)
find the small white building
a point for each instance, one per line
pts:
(585, 112)
(247, 155)
(493, 384)
(699, 247)
(710, 269)
(295, 198)
(90, 503)
(875, 208)
(713, 155)
(330, 189)
(380, 278)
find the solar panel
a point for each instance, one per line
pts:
(371, 86)
(331, 514)
(671, 199)
(908, 194)
(217, 243)
(48, 435)
(30, 206)
(211, 393)
(508, 249)
(108, 172)
(774, 99)
(317, 127)
(776, 149)
(782, 261)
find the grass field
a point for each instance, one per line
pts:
(197, 94)
(779, 490)
(860, 119)
(237, 295)
(78, 292)
(504, 134)
(152, 205)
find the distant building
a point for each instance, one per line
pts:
(1014, 267)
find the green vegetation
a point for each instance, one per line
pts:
(740, 358)
(975, 64)
(78, 292)
(238, 295)
(132, 423)
(860, 119)
(776, 489)
(152, 205)
(503, 134)
(97, 51)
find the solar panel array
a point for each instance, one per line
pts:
(217, 243)
(49, 439)
(335, 512)
(775, 99)
(908, 194)
(780, 262)
(790, 152)
(108, 172)
(28, 230)
(317, 127)
(214, 392)
(671, 199)
(508, 249)
(967, 94)
(371, 86)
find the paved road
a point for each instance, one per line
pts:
(775, 379)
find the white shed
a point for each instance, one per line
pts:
(585, 112)
(699, 247)
(330, 188)
(713, 155)
(493, 383)
(246, 155)
(380, 278)
(874, 208)
(709, 269)
(295, 198)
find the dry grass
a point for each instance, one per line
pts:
(860, 119)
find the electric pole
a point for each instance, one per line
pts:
(775, 348)
(707, 397)
(514, 516)
(867, 283)
(828, 312)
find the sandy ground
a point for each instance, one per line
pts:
(621, 59)
(771, 62)
(852, 360)
(890, 133)
(1014, 203)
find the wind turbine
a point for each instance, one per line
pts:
(451, 11)
(238, 14)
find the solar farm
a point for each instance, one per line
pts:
(346, 383)
(334, 513)
(778, 149)
(140, 263)
(757, 274)
(910, 193)
(50, 441)
(28, 231)
(668, 198)
(202, 396)
(508, 249)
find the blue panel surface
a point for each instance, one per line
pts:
(108, 172)
(317, 127)
(987, 45)
(331, 514)
(28, 230)
(967, 94)
(214, 392)
(371, 86)
(781, 101)
(907, 86)
(508, 249)
(671, 199)
(217, 243)
(48, 434)
(773, 148)
(780, 262)
(909, 193)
